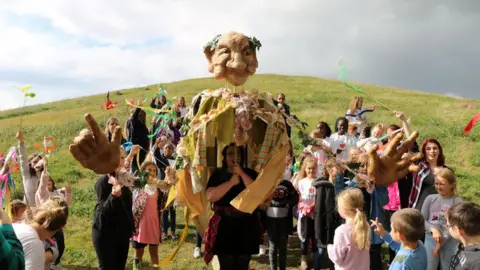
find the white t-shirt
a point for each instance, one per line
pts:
(307, 191)
(32, 246)
(359, 121)
(183, 111)
(343, 142)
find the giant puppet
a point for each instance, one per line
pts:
(223, 116)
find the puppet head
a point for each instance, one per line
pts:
(232, 57)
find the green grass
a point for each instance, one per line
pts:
(312, 99)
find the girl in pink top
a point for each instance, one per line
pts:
(147, 207)
(350, 249)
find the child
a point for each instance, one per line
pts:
(17, 209)
(408, 227)
(356, 114)
(165, 161)
(326, 218)
(375, 198)
(51, 253)
(279, 223)
(295, 178)
(306, 207)
(462, 222)
(352, 239)
(146, 214)
(438, 242)
(318, 149)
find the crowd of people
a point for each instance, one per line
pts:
(342, 217)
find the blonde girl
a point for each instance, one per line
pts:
(355, 114)
(147, 207)
(438, 242)
(377, 132)
(350, 249)
(306, 207)
(49, 218)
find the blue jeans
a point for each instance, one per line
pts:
(446, 253)
(173, 220)
(321, 258)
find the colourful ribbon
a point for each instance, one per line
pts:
(342, 75)
(471, 124)
(109, 104)
(161, 91)
(362, 112)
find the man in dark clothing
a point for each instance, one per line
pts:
(279, 222)
(280, 102)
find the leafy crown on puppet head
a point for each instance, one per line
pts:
(255, 44)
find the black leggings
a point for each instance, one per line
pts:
(234, 262)
(199, 240)
(111, 249)
(60, 239)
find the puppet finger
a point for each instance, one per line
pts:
(392, 146)
(95, 128)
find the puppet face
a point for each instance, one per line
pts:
(232, 58)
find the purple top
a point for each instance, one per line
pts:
(344, 253)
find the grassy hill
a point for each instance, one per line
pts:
(312, 99)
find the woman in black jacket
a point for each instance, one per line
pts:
(137, 133)
(113, 221)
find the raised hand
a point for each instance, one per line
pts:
(378, 228)
(391, 166)
(92, 149)
(20, 136)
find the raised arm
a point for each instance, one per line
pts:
(42, 192)
(405, 125)
(22, 156)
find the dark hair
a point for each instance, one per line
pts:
(33, 172)
(338, 121)
(145, 164)
(239, 149)
(441, 156)
(466, 216)
(410, 223)
(367, 131)
(393, 127)
(53, 183)
(328, 130)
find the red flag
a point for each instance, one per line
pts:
(110, 105)
(472, 123)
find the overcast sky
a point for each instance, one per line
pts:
(67, 49)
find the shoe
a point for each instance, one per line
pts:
(56, 267)
(197, 253)
(304, 262)
(164, 236)
(261, 250)
(174, 237)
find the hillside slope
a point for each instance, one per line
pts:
(312, 99)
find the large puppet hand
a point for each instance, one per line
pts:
(391, 166)
(92, 149)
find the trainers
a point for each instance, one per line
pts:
(197, 253)
(261, 250)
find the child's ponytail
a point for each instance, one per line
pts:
(361, 230)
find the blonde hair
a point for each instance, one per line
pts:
(52, 215)
(351, 201)
(111, 119)
(303, 170)
(378, 128)
(354, 104)
(448, 175)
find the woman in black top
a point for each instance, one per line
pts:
(232, 235)
(113, 221)
(138, 134)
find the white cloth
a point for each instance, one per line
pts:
(183, 111)
(33, 247)
(343, 142)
